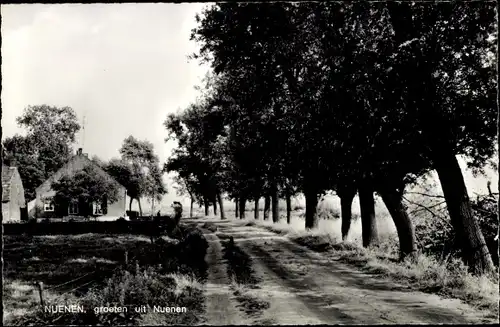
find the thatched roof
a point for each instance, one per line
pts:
(7, 173)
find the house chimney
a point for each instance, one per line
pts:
(79, 152)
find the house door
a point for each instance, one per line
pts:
(24, 213)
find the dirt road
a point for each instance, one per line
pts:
(258, 277)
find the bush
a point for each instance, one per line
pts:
(129, 289)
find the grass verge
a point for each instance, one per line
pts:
(161, 274)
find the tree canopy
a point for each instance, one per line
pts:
(312, 97)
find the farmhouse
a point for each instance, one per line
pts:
(46, 207)
(13, 202)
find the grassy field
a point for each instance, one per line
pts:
(90, 270)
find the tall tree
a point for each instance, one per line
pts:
(145, 166)
(20, 151)
(124, 174)
(47, 145)
(446, 52)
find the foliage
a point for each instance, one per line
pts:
(20, 152)
(86, 186)
(53, 131)
(321, 96)
(145, 284)
(140, 164)
(123, 173)
(45, 148)
(198, 160)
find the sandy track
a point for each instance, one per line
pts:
(305, 287)
(219, 303)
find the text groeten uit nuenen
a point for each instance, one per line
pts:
(113, 309)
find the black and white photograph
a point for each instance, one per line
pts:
(250, 163)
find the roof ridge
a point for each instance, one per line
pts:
(75, 156)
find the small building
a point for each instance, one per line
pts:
(45, 206)
(13, 201)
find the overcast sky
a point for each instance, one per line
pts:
(123, 66)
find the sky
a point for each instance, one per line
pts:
(123, 67)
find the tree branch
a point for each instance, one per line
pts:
(428, 195)
(428, 209)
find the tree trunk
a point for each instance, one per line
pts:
(205, 202)
(140, 208)
(275, 203)
(152, 206)
(368, 221)
(191, 208)
(221, 206)
(236, 211)
(130, 204)
(288, 208)
(242, 207)
(256, 213)
(267, 206)
(346, 197)
(311, 208)
(475, 253)
(215, 206)
(406, 232)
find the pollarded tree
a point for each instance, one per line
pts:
(253, 48)
(366, 134)
(445, 62)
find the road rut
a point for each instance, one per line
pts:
(305, 287)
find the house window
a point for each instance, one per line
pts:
(48, 205)
(73, 208)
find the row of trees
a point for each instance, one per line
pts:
(47, 146)
(352, 97)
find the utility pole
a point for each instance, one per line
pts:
(82, 136)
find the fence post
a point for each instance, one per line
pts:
(40, 292)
